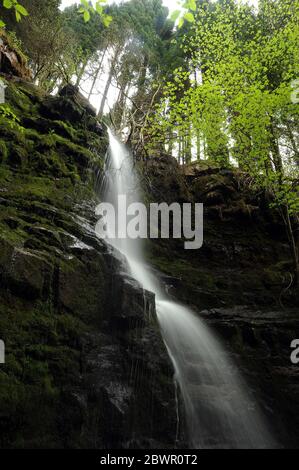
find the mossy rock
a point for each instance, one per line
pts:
(18, 156)
(3, 151)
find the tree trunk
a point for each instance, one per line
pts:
(108, 83)
(276, 152)
(198, 146)
(81, 72)
(97, 73)
(293, 143)
(180, 148)
(120, 106)
(188, 145)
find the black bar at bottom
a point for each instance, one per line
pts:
(95, 459)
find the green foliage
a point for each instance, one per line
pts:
(8, 117)
(234, 94)
(185, 13)
(232, 99)
(87, 10)
(19, 10)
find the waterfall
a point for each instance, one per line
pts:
(219, 412)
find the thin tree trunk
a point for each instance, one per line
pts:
(180, 148)
(276, 152)
(198, 146)
(108, 83)
(294, 144)
(105, 94)
(170, 144)
(97, 73)
(81, 72)
(189, 146)
(121, 104)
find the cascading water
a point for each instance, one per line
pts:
(219, 412)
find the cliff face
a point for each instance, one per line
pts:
(245, 258)
(239, 281)
(85, 363)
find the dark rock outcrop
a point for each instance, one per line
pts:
(86, 366)
(245, 258)
(12, 61)
(238, 282)
(72, 92)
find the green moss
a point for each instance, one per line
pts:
(49, 163)
(3, 151)
(20, 102)
(10, 133)
(80, 153)
(43, 175)
(42, 357)
(66, 130)
(18, 156)
(182, 269)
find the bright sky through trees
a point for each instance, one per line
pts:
(171, 4)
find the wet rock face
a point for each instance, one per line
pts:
(245, 258)
(124, 370)
(82, 287)
(238, 282)
(131, 305)
(259, 341)
(125, 394)
(29, 273)
(86, 366)
(165, 169)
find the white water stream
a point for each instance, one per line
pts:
(219, 412)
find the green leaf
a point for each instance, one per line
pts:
(107, 19)
(7, 3)
(85, 3)
(192, 5)
(2, 24)
(86, 16)
(21, 10)
(189, 17)
(18, 16)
